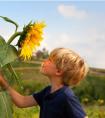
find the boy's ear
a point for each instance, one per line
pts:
(59, 72)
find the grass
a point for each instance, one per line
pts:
(32, 81)
(18, 63)
(32, 112)
(93, 111)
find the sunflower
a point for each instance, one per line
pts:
(30, 39)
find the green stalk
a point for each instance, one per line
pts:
(9, 65)
(13, 71)
(13, 37)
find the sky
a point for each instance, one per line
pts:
(78, 25)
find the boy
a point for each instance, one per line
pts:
(64, 68)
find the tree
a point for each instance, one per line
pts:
(45, 53)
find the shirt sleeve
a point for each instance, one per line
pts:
(39, 96)
(74, 109)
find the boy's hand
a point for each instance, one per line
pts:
(19, 100)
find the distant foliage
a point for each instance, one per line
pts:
(91, 90)
(42, 54)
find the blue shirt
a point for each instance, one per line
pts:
(59, 104)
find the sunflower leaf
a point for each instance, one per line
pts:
(5, 105)
(8, 54)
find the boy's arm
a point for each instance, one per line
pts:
(18, 99)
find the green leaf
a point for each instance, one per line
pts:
(8, 54)
(5, 105)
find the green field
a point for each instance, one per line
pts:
(33, 80)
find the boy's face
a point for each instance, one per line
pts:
(48, 68)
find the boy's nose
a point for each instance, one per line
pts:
(45, 61)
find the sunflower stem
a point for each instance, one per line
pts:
(13, 37)
(11, 69)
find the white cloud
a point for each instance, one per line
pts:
(63, 39)
(72, 12)
(91, 46)
(94, 40)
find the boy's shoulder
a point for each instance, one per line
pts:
(65, 94)
(69, 95)
(68, 92)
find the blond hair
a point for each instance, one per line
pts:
(73, 66)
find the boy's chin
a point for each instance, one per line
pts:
(45, 74)
(42, 72)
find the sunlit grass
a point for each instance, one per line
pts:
(93, 111)
(32, 112)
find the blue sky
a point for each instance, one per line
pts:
(78, 25)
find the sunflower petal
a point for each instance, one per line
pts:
(30, 39)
